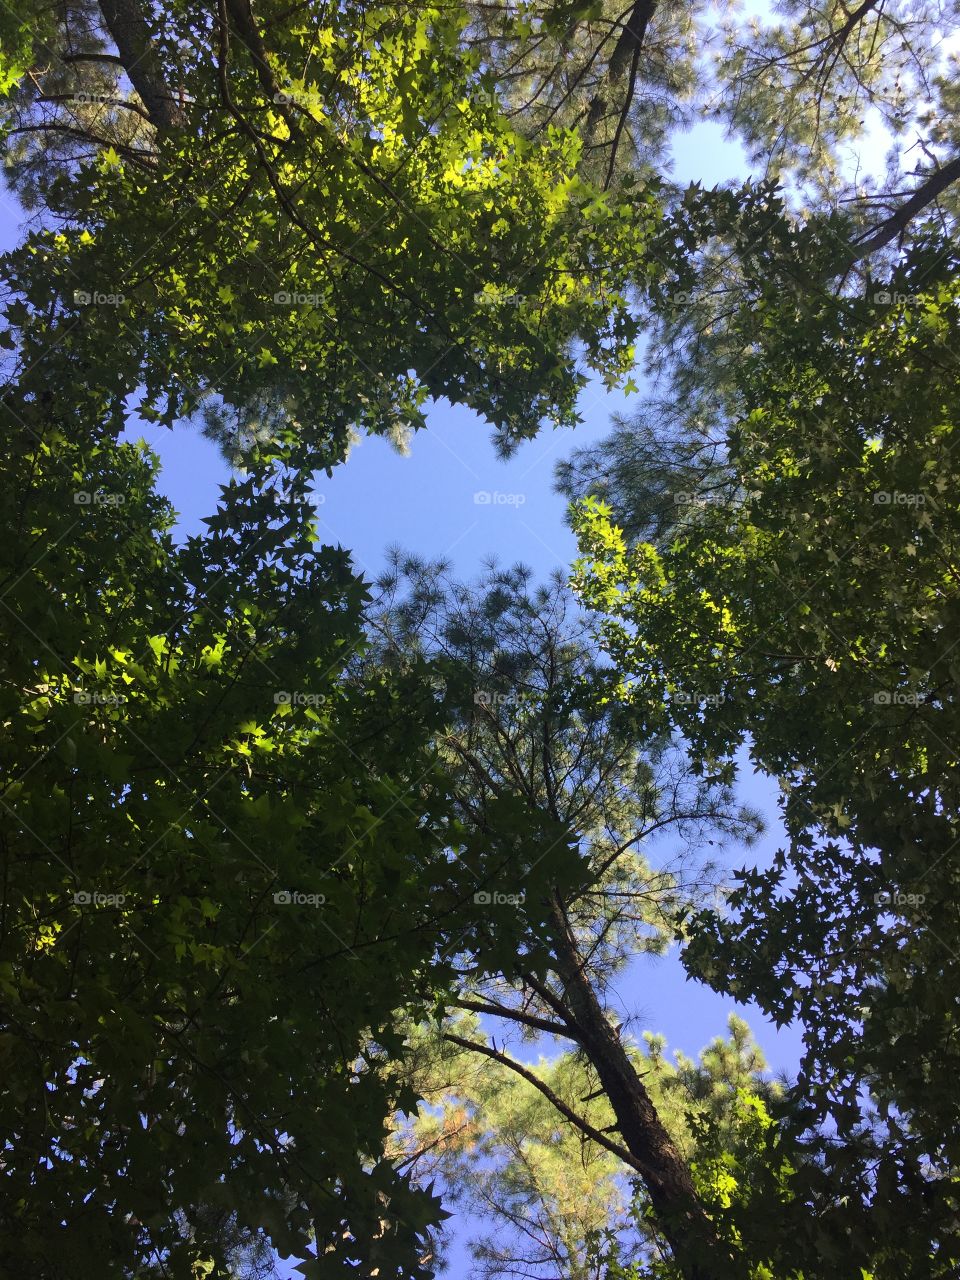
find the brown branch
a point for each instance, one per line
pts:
(628, 96)
(839, 38)
(245, 26)
(444, 1137)
(555, 1003)
(103, 100)
(497, 1010)
(567, 1112)
(673, 1195)
(924, 195)
(136, 154)
(112, 58)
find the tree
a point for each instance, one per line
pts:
(624, 76)
(549, 1199)
(807, 608)
(313, 221)
(225, 868)
(340, 222)
(532, 728)
(243, 223)
(797, 89)
(801, 89)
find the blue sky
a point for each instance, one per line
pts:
(427, 503)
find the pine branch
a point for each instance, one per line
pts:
(567, 1112)
(925, 195)
(515, 1015)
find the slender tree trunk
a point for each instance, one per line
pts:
(129, 29)
(680, 1215)
(625, 53)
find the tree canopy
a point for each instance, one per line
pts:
(292, 862)
(803, 602)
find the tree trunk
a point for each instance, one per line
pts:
(130, 31)
(680, 1215)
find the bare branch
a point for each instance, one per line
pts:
(497, 1010)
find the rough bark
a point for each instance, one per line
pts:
(624, 57)
(898, 221)
(126, 21)
(665, 1175)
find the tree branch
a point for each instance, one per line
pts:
(112, 58)
(555, 1003)
(625, 58)
(100, 99)
(245, 25)
(924, 195)
(515, 1015)
(567, 1112)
